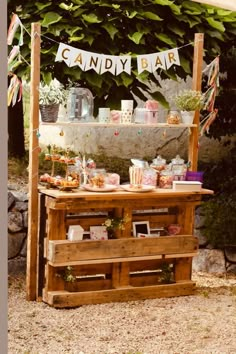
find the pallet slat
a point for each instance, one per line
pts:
(61, 299)
(63, 251)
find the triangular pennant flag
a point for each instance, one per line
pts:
(78, 58)
(93, 61)
(64, 53)
(144, 63)
(158, 61)
(15, 23)
(108, 64)
(123, 64)
(171, 57)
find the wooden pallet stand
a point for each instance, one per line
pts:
(121, 269)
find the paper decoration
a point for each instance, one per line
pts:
(171, 57)
(158, 61)
(108, 63)
(15, 88)
(212, 70)
(123, 63)
(98, 233)
(144, 63)
(102, 63)
(13, 59)
(15, 23)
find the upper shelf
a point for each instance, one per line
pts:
(120, 125)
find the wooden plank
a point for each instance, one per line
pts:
(105, 261)
(196, 85)
(70, 251)
(31, 267)
(83, 198)
(61, 299)
(41, 239)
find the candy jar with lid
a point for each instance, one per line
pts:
(166, 178)
(158, 164)
(178, 168)
(149, 176)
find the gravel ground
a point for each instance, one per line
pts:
(204, 323)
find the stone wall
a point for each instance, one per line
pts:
(17, 231)
(208, 259)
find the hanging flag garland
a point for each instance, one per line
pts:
(14, 90)
(212, 70)
(15, 23)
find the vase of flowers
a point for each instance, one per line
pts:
(188, 101)
(114, 224)
(50, 97)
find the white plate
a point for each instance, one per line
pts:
(106, 188)
(145, 188)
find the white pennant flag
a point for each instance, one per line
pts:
(93, 61)
(64, 53)
(123, 64)
(144, 63)
(108, 64)
(158, 61)
(171, 57)
(78, 58)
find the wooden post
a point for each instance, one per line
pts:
(196, 85)
(31, 269)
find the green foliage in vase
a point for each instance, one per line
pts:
(52, 93)
(189, 100)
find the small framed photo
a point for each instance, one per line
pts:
(141, 227)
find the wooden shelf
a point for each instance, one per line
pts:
(113, 125)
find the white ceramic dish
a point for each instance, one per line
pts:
(106, 188)
(145, 188)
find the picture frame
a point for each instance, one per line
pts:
(141, 227)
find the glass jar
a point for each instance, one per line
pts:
(149, 177)
(158, 164)
(96, 177)
(173, 117)
(178, 168)
(166, 179)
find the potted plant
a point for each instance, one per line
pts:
(113, 224)
(50, 97)
(188, 101)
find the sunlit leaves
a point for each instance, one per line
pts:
(215, 24)
(50, 18)
(91, 18)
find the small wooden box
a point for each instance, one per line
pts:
(193, 186)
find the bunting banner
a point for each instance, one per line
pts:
(116, 64)
(15, 23)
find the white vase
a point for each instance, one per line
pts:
(187, 117)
